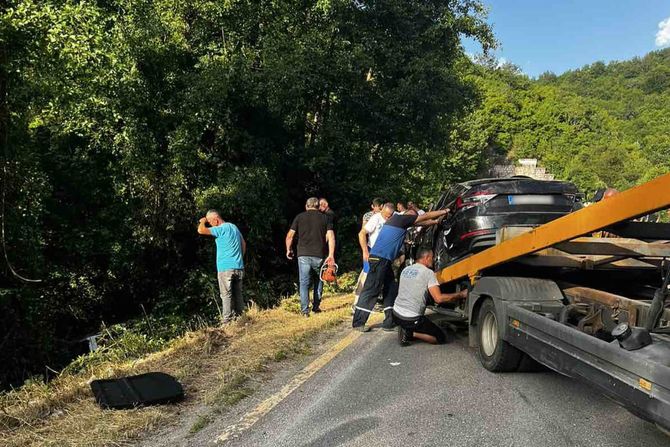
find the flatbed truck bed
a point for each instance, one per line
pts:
(592, 308)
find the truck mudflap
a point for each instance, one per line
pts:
(637, 380)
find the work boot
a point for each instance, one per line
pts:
(403, 336)
(317, 310)
(388, 324)
(361, 328)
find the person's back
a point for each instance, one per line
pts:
(228, 247)
(315, 233)
(415, 281)
(311, 227)
(391, 236)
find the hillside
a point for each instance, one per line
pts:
(601, 125)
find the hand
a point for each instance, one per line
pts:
(203, 220)
(446, 211)
(289, 254)
(330, 260)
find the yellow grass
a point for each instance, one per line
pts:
(213, 364)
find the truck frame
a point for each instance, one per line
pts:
(591, 308)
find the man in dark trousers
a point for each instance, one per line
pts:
(416, 282)
(313, 229)
(380, 277)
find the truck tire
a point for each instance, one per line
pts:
(495, 353)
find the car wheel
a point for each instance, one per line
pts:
(495, 353)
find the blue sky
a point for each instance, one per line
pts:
(560, 35)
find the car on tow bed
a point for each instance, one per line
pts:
(480, 207)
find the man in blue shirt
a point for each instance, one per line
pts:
(380, 274)
(230, 249)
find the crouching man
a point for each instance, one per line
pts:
(416, 282)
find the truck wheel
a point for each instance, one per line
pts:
(495, 353)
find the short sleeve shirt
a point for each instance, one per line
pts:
(391, 236)
(228, 247)
(330, 214)
(372, 228)
(311, 227)
(415, 281)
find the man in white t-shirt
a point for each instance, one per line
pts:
(367, 237)
(416, 282)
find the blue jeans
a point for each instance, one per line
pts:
(308, 265)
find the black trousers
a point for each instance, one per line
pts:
(422, 325)
(380, 279)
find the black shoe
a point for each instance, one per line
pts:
(317, 310)
(389, 328)
(403, 336)
(361, 328)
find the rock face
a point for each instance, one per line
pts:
(525, 166)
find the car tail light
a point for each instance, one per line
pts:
(476, 233)
(476, 198)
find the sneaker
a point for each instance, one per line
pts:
(305, 314)
(317, 310)
(362, 328)
(403, 336)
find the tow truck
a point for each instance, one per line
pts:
(595, 309)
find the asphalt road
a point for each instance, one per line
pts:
(376, 393)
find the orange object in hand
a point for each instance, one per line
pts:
(329, 273)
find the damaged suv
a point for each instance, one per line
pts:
(480, 207)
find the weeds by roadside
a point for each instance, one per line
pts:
(214, 364)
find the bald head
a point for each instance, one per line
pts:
(387, 210)
(214, 218)
(609, 193)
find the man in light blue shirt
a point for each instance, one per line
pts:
(230, 249)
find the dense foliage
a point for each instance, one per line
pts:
(602, 125)
(122, 121)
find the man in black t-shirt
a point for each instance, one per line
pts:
(313, 230)
(324, 207)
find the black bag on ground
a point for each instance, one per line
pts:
(129, 392)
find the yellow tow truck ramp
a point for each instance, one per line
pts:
(639, 201)
(596, 309)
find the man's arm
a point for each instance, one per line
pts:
(289, 243)
(202, 229)
(430, 215)
(330, 237)
(428, 223)
(244, 245)
(363, 242)
(440, 297)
